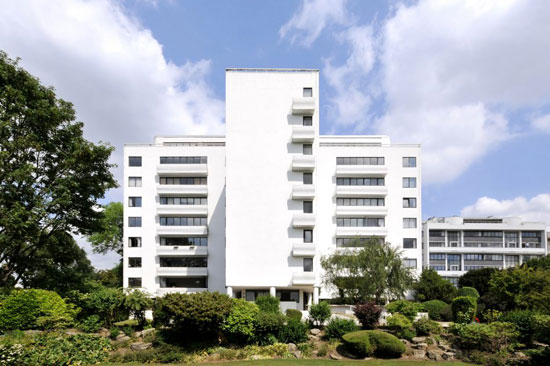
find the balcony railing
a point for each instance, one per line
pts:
(303, 106)
(303, 278)
(361, 191)
(182, 271)
(303, 163)
(351, 211)
(182, 230)
(361, 170)
(183, 169)
(303, 134)
(187, 190)
(303, 192)
(303, 249)
(191, 210)
(181, 250)
(303, 220)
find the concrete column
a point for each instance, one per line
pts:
(229, 291)
(316, 295)
(272, 291)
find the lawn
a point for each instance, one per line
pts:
(293, 362)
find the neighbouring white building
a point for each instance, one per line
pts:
(254, 212)
(454, 245)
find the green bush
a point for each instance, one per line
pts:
(336, 328)
(431, 286)
(164, 353)
(464, 309)
(405, 307)
(239, 325)
(525, 323)
(401, 326)
(319, 313)
(294, 331)
(136, 302)
(434, 308)
(447, 313)
(426, 327)
(107, 303)
(540, 357)
(268, 327)
(35, 309)
(468, 291)
(91, 324)
(373, 342)
(542, 328)
(268, 304)
(491, 337)
(114, 332)
(293, 314)
(368, 314)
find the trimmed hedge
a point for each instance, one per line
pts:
(364, 343)
(269, 304)
(293, 314)
(401, 326)
(468, 291)
(434, 308)
(464, 309)
(336, 328)
(405, 307)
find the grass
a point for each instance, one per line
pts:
(294, 362)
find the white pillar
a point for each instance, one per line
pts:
(229, 291)
(316, 295)
(272, 291)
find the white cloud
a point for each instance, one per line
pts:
(112, 68)
(542, 123)
(314, 15)
(536, 209)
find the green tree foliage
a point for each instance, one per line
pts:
(136, 302)
(468, 291)
(293, 332)
(538, 263)
(111, 277)
(268, 304)
(50, 176)
(337, 327)
(491, 337)
(374, 272)
(240, 324)
(401, 326)
(464, 309)
(107, 303)
(478, 279)
(373, 343)
(431, 286)
(405, 307)
(319, 313)
(434, 308)
(525, 323)
(109, 236)
(268, 327)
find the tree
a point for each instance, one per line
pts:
(111, 277)
(538, 263)
(478, 279)
(374, 272)
(109, 236)
(431, 286)
(50, 176)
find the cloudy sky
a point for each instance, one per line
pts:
(467, 79)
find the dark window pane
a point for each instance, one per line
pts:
(134, 161)
(307, 121)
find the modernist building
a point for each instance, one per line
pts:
(454, 245)
(253, 212)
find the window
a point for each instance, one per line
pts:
(360, 222)
(409, 202)
(437, 257)
(356, 242)
(308, 92)
(183, 159)
(196, 262)
(409, 162)
(453, 262)
(360, 161)
(409, 243)
(308, 149)
(134, 201)
(359, 202)
(134, 161)
(308, 178)
(182, 221)
(308, 206)
(308, 236)
(134, 221)
(409, 262)
(183, 180)
(308, 264)
(360, 181)
(134, 262)
(134, 282)
(252, 295)
(134, 242)
(288, 295)
(134, 182)
(409, 223)
(409, 182)
(453, 280)
(184, 282)
(183, 241)
(307, 121)
(182, 200)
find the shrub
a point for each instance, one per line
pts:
(268, 327)
(91, 324)
(401, 326)
(478, 279)
(336, 328)
(114, 332)
(268, 304)
(107, 303)
(464, 309)
(293, 314)
(447, 313)
(319, 313)
(540, 357)
(136, 302)
(431, 286)
(293, 332)
(524, 321)
(468, 291)
(542, 328)
(373, 342)
(368, 314)
(405, 307)
(490, 337)
(491, 315)
(434, 308)
(240, 323)
(32, 309)
(425, 327)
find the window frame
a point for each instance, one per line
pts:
(135, 161)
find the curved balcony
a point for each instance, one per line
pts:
(189, 250)
(193, 170)
(303, 192)
(303, 163)
(182, 271)
(303, 278)
(303, 249)
(303, 134)
(303, 106)
(361, 231)
(303, 220)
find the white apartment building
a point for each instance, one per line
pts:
(454, 245)
(254, 212)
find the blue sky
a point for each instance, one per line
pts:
(469, 80)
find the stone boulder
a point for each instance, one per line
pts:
(417, 353)
(315, 331)
(140, 346)
(434, 354)
(335, 356)
(292, 347)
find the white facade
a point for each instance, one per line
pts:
(454, 245)
(283, 195)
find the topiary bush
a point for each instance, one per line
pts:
(405, 307)
(401, 326)
(368, 314)
(319, 313)
(293, 314)
(468, 291)
(239, 326)
(426, 327)
(434, 308)
(268, 327)
(364, 343)
(447, 313)
(525, 324)
(464, 309)
(268, 304)
(294, 331)
(491, 337)
(358, 343)
(337, 327)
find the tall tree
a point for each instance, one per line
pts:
(431, 286)
(51, 177)
(374, 272)
(109, 236)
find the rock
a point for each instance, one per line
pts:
(104, 332)
(419, 340)
(292, 347)
(140, 346)
(448, 356)
(33, 332)
(122, 338)
(335, 356)
(255, 357)
(419, 353)
(444, 347)
(421, 346)
(315, 331)
(147, 331)
(312, 337)
(72, 332)
(520, 354)
(297, 354)
(406, 343)
(435, 355)
(367, 358)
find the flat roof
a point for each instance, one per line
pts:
(244, 69)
